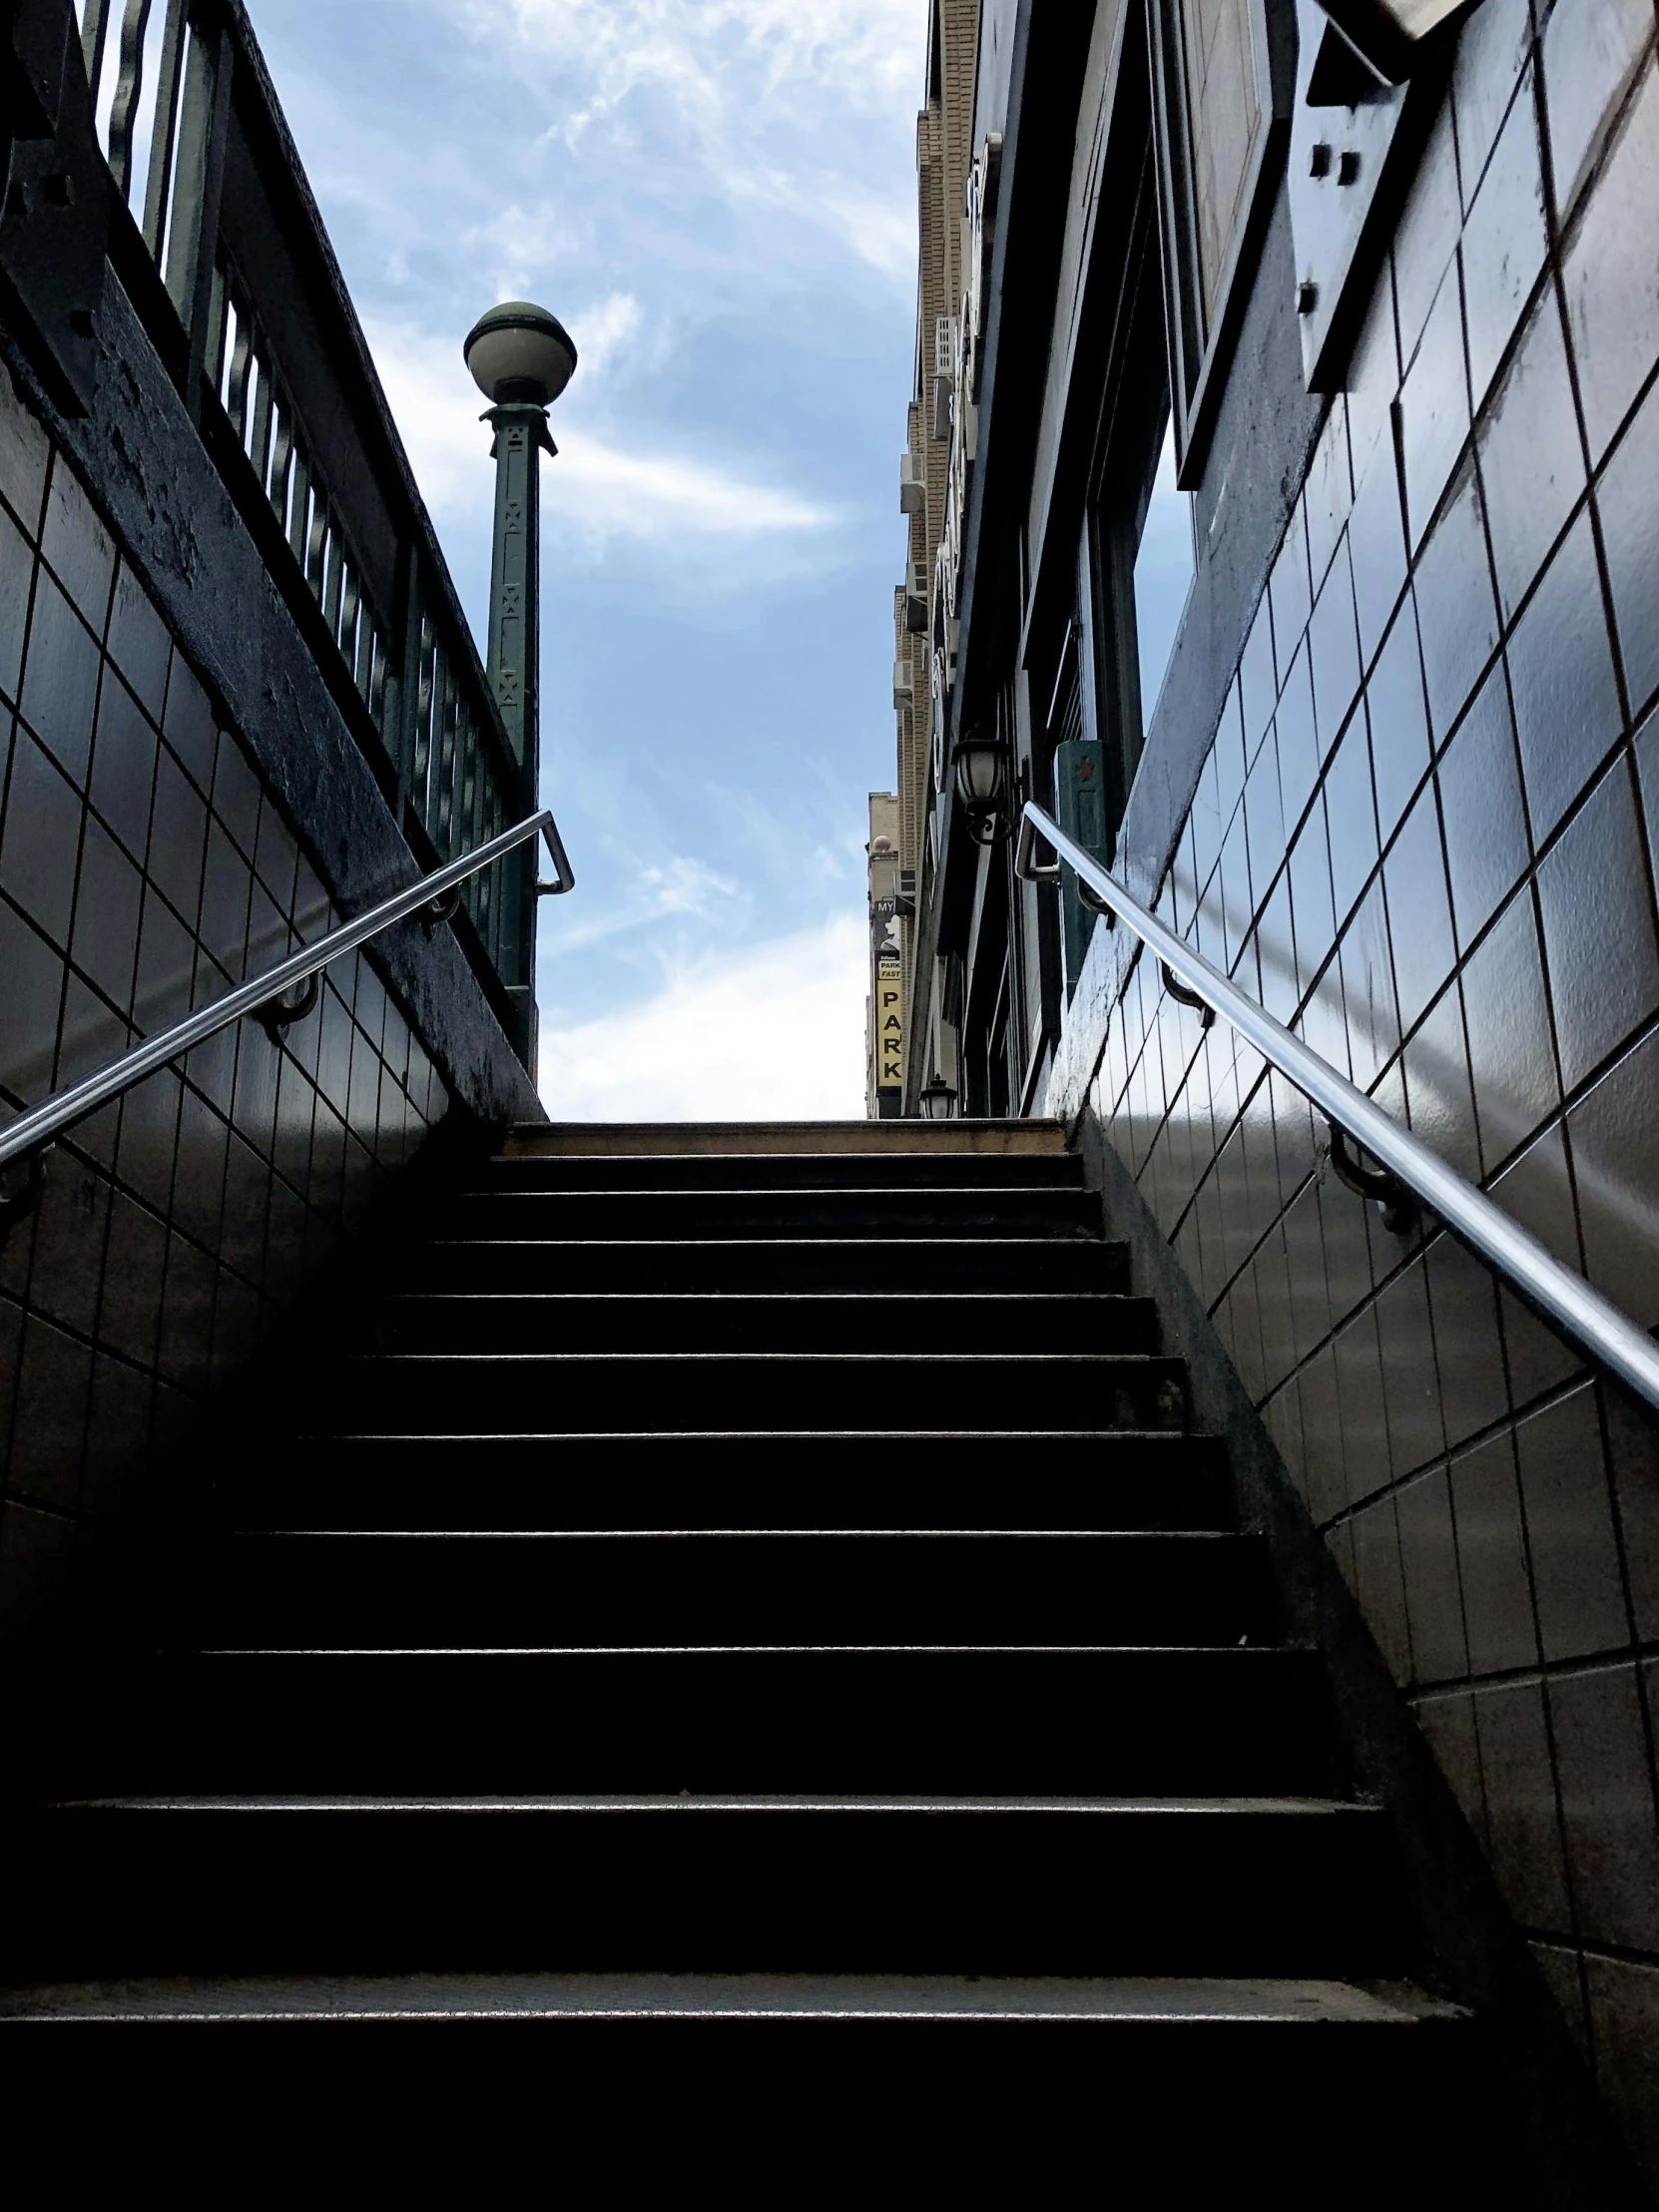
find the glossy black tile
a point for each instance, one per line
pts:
(1491, 1558)
(1399, 719)
(1492, 51)
(1468, 1347)
(1523, 1831)
(1590, 57)
(185, 1352)
(1375, 1531)
(1433, 1594)
(137, 643)
(1448, 1720)
(1439, 1099)
(71, 1220)
(1536, 1188)
(165, 966)
(1416, 1434)
(1627, 499)
(17, 563)
(1327, 492)
(41, 841)
(1456, 612)
(178, 837)
(199, 1177)
(1511, 1048)
(1612, 302)
(1607, 1806)
(1426, 236)
(1561, 681)
(129, 1316)
(1623, 2010)
(1533, 470)
(1258, 678)
(124, 767)
(24, 458)
(237, 794)
(1576, 1575)
(108, 896)
(60, 680)
(50, 1419)
(1613, 1136)
(1482, 811)
(1599, 940)
(1419, 910)
(1334, 649)
(188, 727)
(77, 546)
(1368, 1005)
(1297, 737)
(1633, 1457)
(118, 1430)
(1435, 409)
(1290, 588)
(1505, 241)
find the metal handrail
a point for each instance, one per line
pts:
(1592, 1322)
(31, 1130)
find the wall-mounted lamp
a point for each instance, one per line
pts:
(981, 765)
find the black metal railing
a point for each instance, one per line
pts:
(247, 307)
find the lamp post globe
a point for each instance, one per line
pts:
(937, 1099)
(520, 355)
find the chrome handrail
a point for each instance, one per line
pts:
(37, 1127)
(1581, 1312)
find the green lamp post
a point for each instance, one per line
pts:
(521, 358)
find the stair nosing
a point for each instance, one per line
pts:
(1287, 1806)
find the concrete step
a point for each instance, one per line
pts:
(257, 1885)
(364, 1591)
(804, 1171)
(786, 1479)
(1056, 1719)
(756, 1266)
(754, 1140)
(519, 1393)
(1020, 1211)
(793, 1321)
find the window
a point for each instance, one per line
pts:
(1223, 86)
(1163, 574)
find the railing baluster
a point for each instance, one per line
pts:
(94, 33)
(169, 77)
(316, 542)
(241, 354)
(129, 87)
(189, 175)
(281, 453)
(259, 441)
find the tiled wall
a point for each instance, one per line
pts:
(1425, 836)
(143, 871)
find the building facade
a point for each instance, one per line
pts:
(1291, 533)
(237, 703)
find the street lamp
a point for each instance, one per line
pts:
(981, 768)
(521, 358)
(938, 1098)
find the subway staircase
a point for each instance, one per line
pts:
(749, 1583)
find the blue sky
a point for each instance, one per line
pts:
(718, 198)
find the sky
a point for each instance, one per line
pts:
(718, 199)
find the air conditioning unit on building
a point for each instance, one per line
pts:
(912, 485)
(904, 684)
(944, 374)
(916, 601)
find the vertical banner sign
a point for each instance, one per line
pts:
(889, 1026)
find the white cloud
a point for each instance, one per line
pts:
(602, 491)
(682, 888)
(769, 1032)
